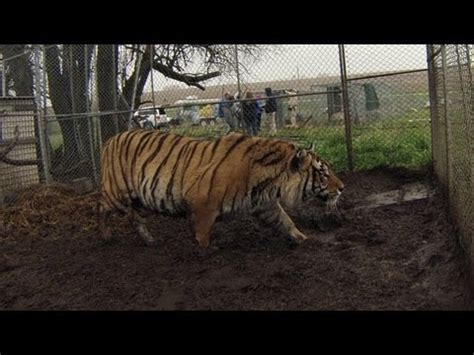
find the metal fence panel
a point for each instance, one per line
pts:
(453, 134)
(88, 93)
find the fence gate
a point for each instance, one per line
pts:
(18, 168)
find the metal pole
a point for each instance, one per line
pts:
(76, 124)
(45, 99)
(137, 70)
(39, 115)
(446, 121)
(237, 70)
(4, 82)
(345, 103)
(45, 89)
(114, 75)
(89, 118)
(432, 95)
(152, 48)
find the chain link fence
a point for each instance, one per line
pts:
(453, 133)
(362, 106)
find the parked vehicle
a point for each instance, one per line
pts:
(201, 112)
(155, 119)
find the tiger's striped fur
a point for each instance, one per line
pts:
(150, 171)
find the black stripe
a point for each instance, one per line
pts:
(153, 155)
(258, 189)
(155, 178)
(187, 161)
(144, 141)
(203, 152)
(146, 137)
(251, 147)
(113, 200)
(127, 142)
(265, 156)
(143, 179)
(112, 172)
(226, 155)
(214, 148)
(170, 185)
(199, 164)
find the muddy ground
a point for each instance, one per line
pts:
(398, 257)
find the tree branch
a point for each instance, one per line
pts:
(190, 80)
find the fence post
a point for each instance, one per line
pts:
(237, 70)
(39, 114)
(152, 53)
(446, 121)
(432, 97)
(89, 119)
(114, 74)
(345, 104)
(135, 83)
(4, 80)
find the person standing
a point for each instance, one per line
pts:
(270, 110)
(259, 113)
(225, 112)
(292, 107)
(249, 115)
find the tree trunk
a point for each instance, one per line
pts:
(67, 71)
(107, 88)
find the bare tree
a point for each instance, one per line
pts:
(119, 85)
(171, 60)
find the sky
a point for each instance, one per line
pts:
(308, 61)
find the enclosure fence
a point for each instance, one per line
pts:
(451, 85)
(361, 106)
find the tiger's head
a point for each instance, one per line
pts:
(314, 177)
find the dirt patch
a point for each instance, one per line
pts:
(394, 257)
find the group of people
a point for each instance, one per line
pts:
(247, 114)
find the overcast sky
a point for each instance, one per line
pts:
(307, 61)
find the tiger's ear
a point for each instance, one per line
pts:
(311, 146)
(298, 159)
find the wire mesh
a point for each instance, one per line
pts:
(17, 113)
(389, 105)
(453, 135)
(88, 93)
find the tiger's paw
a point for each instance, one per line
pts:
(298, 237)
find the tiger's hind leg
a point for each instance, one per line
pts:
(139, 223)
(103, 214)
(275, 216)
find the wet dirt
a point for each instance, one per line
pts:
(395, 257)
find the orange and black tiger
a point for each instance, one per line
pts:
(146, 171)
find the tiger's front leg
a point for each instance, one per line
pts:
(274, 216)
(202, 220)
(139, 223)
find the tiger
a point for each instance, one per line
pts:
(147, 172)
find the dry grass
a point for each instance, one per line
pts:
(41, 208)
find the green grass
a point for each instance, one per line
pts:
(403, 141)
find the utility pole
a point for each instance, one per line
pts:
(237, 70)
